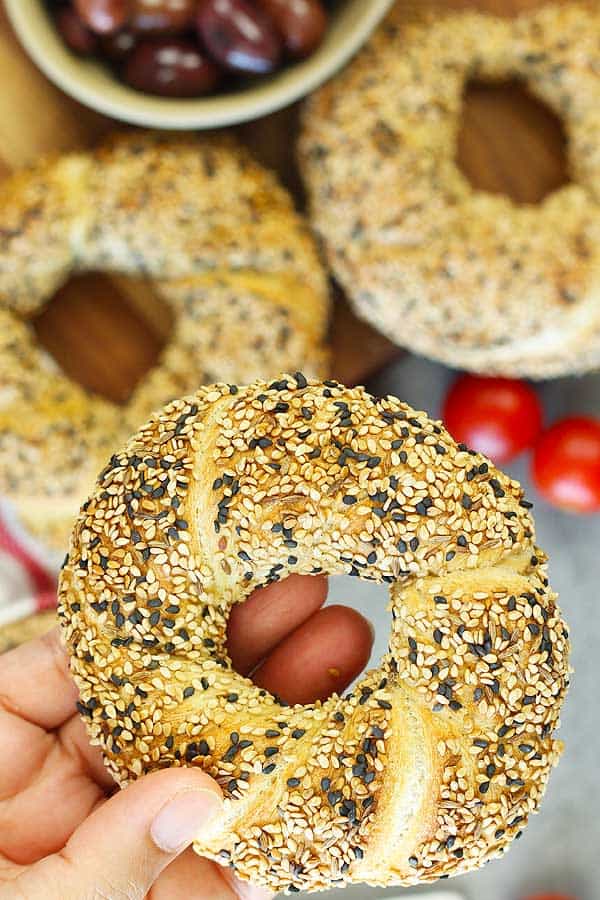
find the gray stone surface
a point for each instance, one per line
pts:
(560, 850)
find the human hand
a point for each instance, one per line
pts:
(66, 833)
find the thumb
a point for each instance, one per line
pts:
(124, 845)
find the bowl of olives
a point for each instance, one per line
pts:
(191, 63)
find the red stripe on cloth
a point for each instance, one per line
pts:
(42, 581)
(47, 600)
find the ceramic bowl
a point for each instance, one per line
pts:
(95, 85)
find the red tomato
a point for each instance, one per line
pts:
(496, 416)
(550, 897)
(566, 464)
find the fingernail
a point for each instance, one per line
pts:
(183, 818)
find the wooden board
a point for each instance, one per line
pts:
(508, 143)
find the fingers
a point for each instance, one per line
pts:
(54, 781)
(35, 682)
(269, 615)
(190, 877)
(242, 889)
(323, 656)
(124, 845)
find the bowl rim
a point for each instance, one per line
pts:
(41, 40)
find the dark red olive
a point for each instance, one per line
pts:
(103, 16)
(239, 36)
(74, 32)
(165, 16)
(170, 67)
(301, 23)
(117, 47)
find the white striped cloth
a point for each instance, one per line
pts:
(27, 571)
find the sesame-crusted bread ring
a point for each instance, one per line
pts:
(466, 277)
(16, 633)
(230, 257)
(433, 763)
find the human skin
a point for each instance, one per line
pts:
(68, 833)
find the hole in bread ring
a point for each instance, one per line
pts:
(433, 762)
(224, 250)
(466, 277)
(532, 132)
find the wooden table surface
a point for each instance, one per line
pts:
(106, 332)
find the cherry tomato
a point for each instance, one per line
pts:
(495, 416)
(566, 464)
(549, 897)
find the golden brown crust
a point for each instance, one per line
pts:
(26, 629)
(235, 264)
(469, 278)
(433, 762)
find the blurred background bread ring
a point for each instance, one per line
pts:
(469, 278)
(230, 257)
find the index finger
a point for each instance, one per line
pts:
(35, 682)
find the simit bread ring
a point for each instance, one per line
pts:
(231, 259)
(433, 763)
(466, 277)
(27, 629)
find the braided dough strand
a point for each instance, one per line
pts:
(432, 764)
